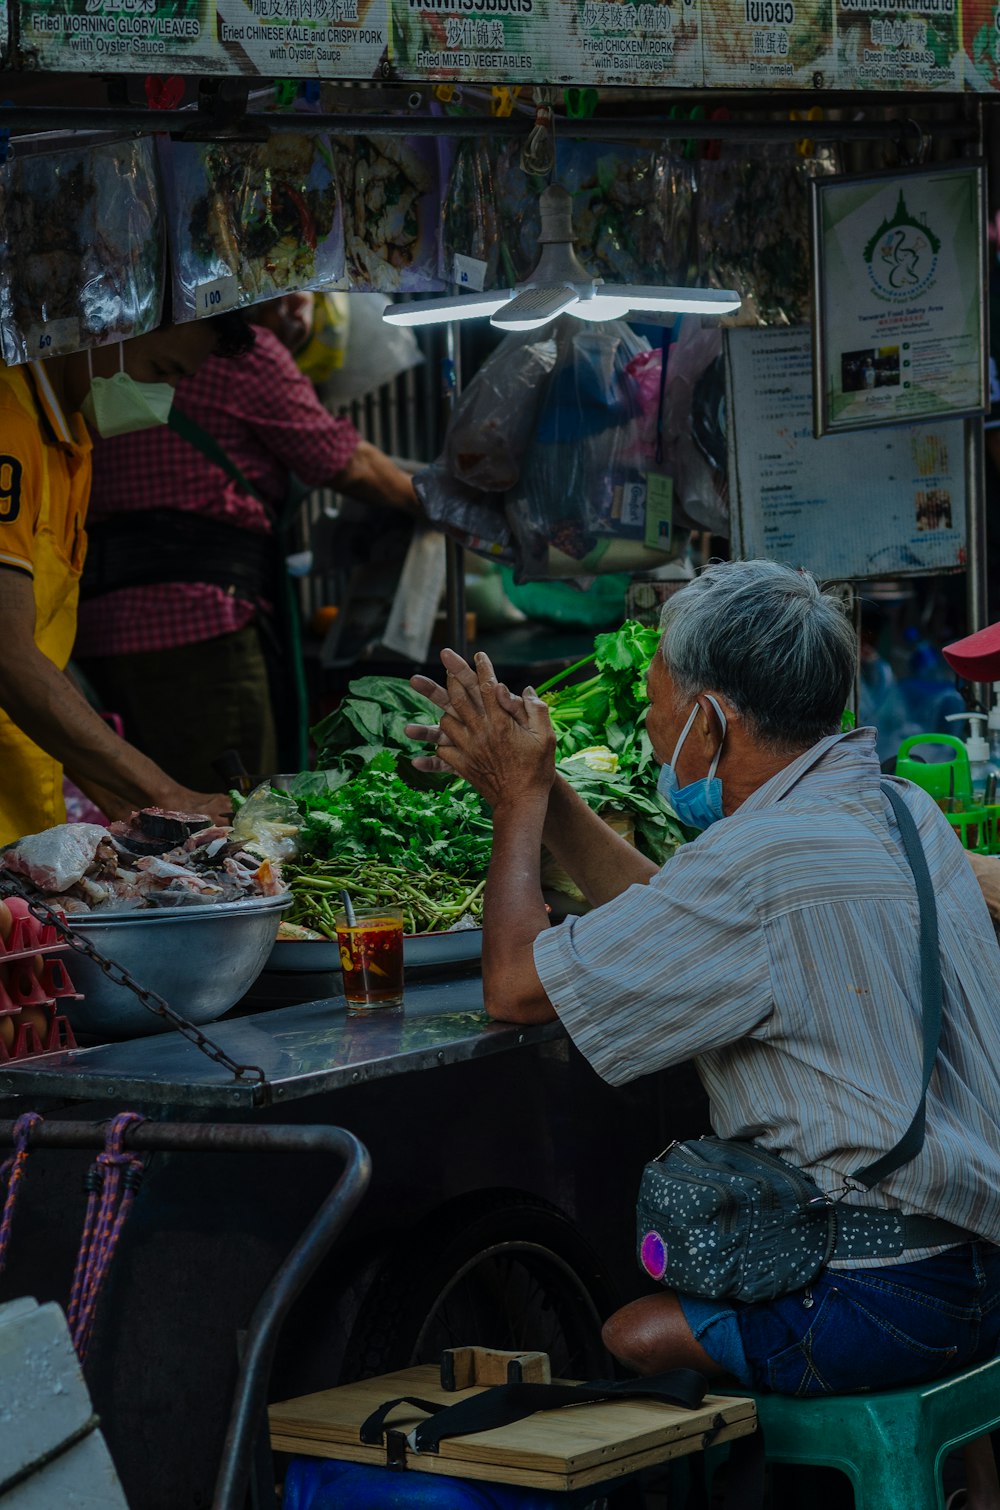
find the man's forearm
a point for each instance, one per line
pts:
(45, 705)
(601, 862)
(372, 478)
(514, 915)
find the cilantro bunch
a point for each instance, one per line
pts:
(374, 815)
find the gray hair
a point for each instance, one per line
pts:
(777, 647)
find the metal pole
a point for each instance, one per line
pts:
(313, 1245)
(454, 557)
(975, 532)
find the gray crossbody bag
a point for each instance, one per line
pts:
(725, 1219)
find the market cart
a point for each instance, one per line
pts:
(500, 1208)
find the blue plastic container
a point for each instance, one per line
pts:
(324, 1484)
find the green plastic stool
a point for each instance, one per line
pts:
(890, 1445)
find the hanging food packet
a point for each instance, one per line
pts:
(392, 222)
(81, 255)
(251, 220)
(470, 223)
(753, 228)
(630, 211)
(586, 500)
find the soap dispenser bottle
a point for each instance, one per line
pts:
(981, 767)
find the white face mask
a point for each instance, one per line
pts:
(118, 405)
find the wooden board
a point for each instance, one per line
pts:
(559, 1449)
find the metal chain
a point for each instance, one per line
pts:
(10, 886)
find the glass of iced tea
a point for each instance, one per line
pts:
(371, 957)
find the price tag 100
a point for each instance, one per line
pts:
(53, 338)
(217, 295)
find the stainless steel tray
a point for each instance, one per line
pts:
(420, 951)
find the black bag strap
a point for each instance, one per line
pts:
(506, 1403)
(912, 1140)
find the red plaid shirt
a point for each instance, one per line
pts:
(265, 415)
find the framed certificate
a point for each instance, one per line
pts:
(899, 308)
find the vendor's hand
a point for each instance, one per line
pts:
(503, 746)
(433, 734)
(215, 805)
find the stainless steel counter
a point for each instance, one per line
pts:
(303, 1050)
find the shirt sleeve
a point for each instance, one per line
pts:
(662, 973)
(279, 404)
(20, 485)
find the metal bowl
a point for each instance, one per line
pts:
(201, 959)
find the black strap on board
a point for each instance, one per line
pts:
(507, 1403)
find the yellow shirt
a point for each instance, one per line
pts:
(44, 492)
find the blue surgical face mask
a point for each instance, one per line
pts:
(699, 804)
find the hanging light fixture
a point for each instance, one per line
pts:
(560, 284)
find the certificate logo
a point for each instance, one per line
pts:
(902, 256)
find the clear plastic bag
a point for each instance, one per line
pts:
(376, 353)
(753, 228)
(270, 822)
(81, 253)
(391, 188)
(631, 210)
(694, 426)
(579, 506)
(251, 220)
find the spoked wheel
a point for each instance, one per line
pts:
(507, 1271)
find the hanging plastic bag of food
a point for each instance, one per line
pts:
(391, 189)
(251, 220)
(488, 434)
(694, 426)
(631, 210)
(753, 228)
(81, 254)
(586, 500)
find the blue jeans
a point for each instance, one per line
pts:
(860, 1329)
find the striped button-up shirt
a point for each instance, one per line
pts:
(780, 952)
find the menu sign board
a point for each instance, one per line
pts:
(883, 44)
(846, 507)
(140, 36)
(292, 38)
(783, 44)
(635, 42)
(899, 276)
(500, 40)
(283, 38)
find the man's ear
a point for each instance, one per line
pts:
(709, 725)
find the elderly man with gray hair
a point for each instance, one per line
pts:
(780, 951)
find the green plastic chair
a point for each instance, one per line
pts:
(891, 1445)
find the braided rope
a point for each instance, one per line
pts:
(12, 1171)
(112, 1183)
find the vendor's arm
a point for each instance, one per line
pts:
(987, 869)
(372, 477)
(43, 702)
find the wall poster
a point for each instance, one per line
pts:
(899, 269)
(847, 507)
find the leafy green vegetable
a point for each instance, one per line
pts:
(657, 831)
(609, 708)
(375, 815)
(370, 719)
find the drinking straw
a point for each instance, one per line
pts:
(345, 897)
